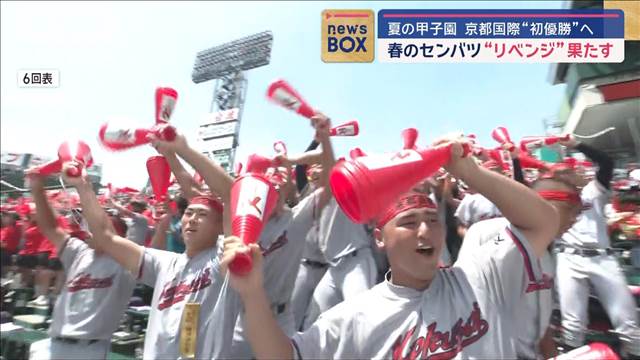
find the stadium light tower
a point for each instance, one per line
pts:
(227, 64)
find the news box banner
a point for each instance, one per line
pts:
(482, 36)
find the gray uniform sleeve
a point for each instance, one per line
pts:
(325, 338)
(597, 195)
(505, 267)
(152, 262)
(463, 212)
(71, 249)
(305, 211)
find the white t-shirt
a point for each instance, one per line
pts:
(96, 293)
(535, 314)
(474, 208)
(178, 280)
(339, 236)
(467, 311)
(590, 229)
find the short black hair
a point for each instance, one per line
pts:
(138, 205)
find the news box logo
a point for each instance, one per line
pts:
(348, 35)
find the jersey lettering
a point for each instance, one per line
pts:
(174, 294)
(84, 281)
(280, 242)
(441, 345)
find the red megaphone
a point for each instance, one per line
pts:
(122, 139)
(532, 142)
(259, 164)
(364, 187)
(593, 351)
(409, 137)
(347, 129)
(529, 162)
(253, 198)
(159, 176)
(498, 156)
(77, 151)
(356, 153)
(501, 135)
(285, 95)
(165, 103)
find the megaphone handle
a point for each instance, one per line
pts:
(167, 133)
(74, 171)
(241, 264)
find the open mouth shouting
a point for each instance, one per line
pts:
(425, 250)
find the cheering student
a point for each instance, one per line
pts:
(421, 310)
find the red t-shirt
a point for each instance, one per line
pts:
(47, 246)
(33, 239)
(10, 237)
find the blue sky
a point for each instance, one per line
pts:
(112, 56)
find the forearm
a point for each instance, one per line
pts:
(267, 339)
(604, 162)
(307, 158)
(97, 219)
(213, 174)
(159, 240)
(301, 170)
(121, 209)
(548, 347)
(183, 177)
(123, 251)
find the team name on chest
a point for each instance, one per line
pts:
(441, 345)
(84, 281)
(173, 294)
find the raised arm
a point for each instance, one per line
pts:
(45, 215)
(121, 209)
(266, 337)
(188, 186)
(159, 240)
(604, 161)
(125, 252)
(216, 178)
(327, 159)
(523, 207)
(301, 169)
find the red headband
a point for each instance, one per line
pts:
(408, 201)
(207, 201)
(559, 195)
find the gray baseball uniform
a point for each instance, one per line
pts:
(89, 307)
(311, 270)
(584, 260)
(137, 228)
(282, 240)
(475, 207)
(535, 313)
(179, 280)
(467, 311)
(352, 269)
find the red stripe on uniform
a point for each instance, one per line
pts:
(527, 261)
